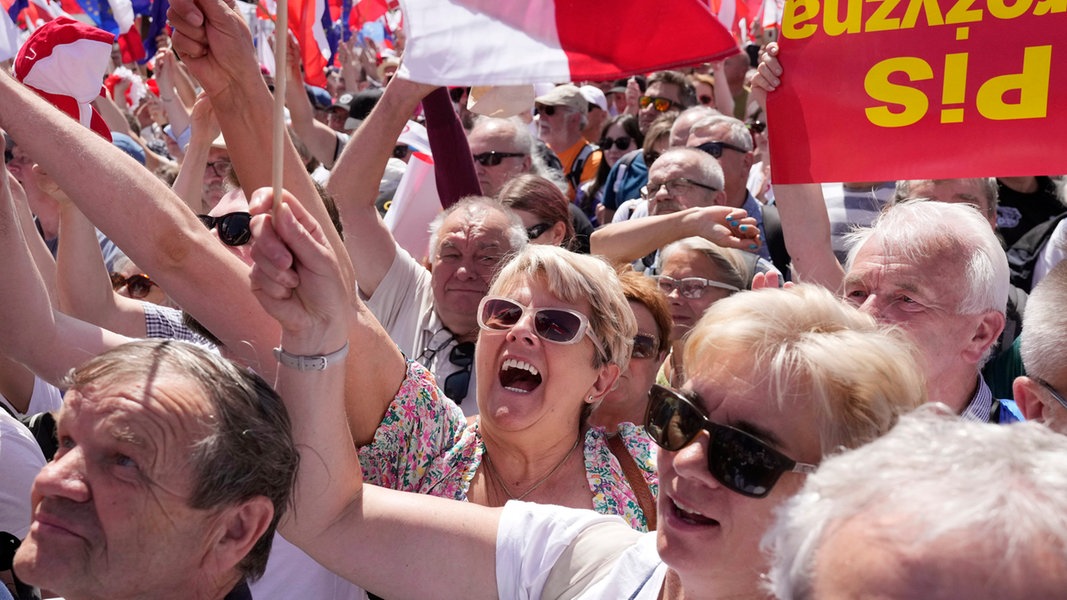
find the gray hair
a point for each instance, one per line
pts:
(921, 230)
(524, 141)
(1044, 335)
(987, 185)
(731, 264)
(737, 132)
(808, 343)
(998, 491)
(575, 279)
(687, 118)
(476, 207)
(710, 170)
(248, 450)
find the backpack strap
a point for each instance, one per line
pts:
(574, 176)
(635, 479)
(772, 226)
(1023, 254)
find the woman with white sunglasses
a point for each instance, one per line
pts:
(777, 379)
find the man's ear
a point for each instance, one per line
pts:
(985, 334)
(238, 529)
(1028, 396)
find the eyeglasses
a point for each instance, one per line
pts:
(1059, 397)
(220, 167)
(234, 228)
(705, 99)
(693, 288)
(557, 325)
(493, 158)
(535, 231)
(755, 126)
(456, 384)
(620, 143)
(715, 148)
(737, 459)
(401, 151)
(137, 285)
(645, 346)
(675, 187)
(658, 103)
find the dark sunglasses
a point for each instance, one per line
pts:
(548, 111)
(456, 384)
(658, 103)
(715, 148)
(556, 325)
(234, 228)
(493, 158)
(645, 346)
(620, 143)
(738, 460)
(137, 285)
(456, 93)
(535, 231)
(705, 100)
(756, 126)
(220, 167)
(401, 151)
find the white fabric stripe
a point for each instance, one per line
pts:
(432, 54)
(318, 32)
(122, 10)
(10, 39)
(72, 69)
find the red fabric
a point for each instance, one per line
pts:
(132, 47)
(366, 11)
(302, 18)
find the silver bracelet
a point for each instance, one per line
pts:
(310, 363)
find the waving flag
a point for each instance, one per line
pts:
(9, 31)
(490, 42)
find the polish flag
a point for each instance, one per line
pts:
(309, 20)
(494, 42)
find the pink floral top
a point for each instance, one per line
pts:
(424, 445)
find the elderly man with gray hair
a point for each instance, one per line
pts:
(1042, 392)
(936, 509)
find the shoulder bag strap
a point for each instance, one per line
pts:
(635, 479)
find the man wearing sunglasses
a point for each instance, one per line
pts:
(561, 115)
(1042, 392)
(666, 90)
(502, 149)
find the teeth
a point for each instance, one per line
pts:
(512, 363)
(687, 510)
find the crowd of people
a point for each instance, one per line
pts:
(623, 363)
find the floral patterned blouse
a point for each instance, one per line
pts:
(424, 445)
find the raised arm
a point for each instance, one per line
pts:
(367, 534)
(354, 182)
(801, 207)
(320, 140)
(189, 184)
(630, 240)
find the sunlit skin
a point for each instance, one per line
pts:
(215, 184)
(673, 167)
(957, 191)
(658, 89)
(495, 136)
(551, 237)
(469, 251)
(629, 400)
(110, 512)
(719, 551)
(613, 154)
(735, 165)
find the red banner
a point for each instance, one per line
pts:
(880, 90)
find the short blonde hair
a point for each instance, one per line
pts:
(859, 375)
(576, 279)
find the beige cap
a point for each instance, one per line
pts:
(565, 95)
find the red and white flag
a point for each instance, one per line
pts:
(494, 42)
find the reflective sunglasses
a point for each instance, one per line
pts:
(675, 187)
(456, 384)
(739, 460)
(658, 103)
(621, 143)
(535, 231)
(137, 285)
(493, 158)
(1059, 397)
(693, 288)
(220, 167)
(755, 126)
(556, 325)
(715, 148)
(234, 228)
(645, 346)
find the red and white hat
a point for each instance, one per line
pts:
(64, 62)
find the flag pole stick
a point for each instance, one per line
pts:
(281, 45)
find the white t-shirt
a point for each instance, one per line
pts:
(547, 551)
(293, 574)
(20, 461)
(1054, 251)
(45, 398)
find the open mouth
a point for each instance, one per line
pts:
(691, 517)
(519, 376)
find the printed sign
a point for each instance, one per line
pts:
(881, 90)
